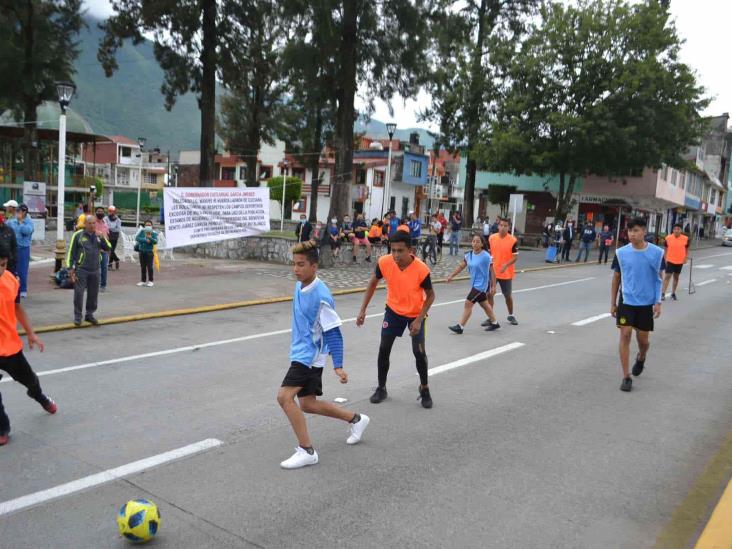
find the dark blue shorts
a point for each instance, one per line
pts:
(394, 325)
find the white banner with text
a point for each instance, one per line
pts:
(194, 215)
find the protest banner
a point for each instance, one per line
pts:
(194, 215)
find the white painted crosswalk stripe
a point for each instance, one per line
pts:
(591, 319)
(475, 358)
(110, 475)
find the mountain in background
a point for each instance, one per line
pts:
(130, 103)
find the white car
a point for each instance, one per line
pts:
(727, 238)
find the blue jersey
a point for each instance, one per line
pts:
(393, 225)
(479, 267)
(415, 228)
(640, 274)
(313, 313)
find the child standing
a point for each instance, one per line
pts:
(12, 359)
(315, 334)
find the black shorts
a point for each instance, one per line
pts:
(394, 324)
(335, 244)
(638, 317)
(310, 379)
(476, 296)
(506, 286)
(374, 240)
(674, 268)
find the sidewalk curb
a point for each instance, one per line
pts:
(264, 301)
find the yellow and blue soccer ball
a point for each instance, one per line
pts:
(138, 520)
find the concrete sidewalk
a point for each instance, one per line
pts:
(190, 282)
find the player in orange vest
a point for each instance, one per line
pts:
(504, 249)
(676, 254)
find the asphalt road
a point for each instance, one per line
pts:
(532, 447)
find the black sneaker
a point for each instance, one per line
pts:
(673, 297)
(91, 320)
(486, 322)
(379, 395)
(663, 297)
(492, 326)
(354, 259)
(638, 366)
(77, 323)
(456, 329)
(512, 320)
(368, 260)
(626, 385)
(424, 396)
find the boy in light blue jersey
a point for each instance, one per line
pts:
(482, 280)
(638, 275)
(315, 335)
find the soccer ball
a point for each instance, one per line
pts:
(138, 520)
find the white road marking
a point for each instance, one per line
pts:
(708, 266)
(728, 268)
(717, 255)
(591, 319)
(189, 348)
(475, 358)
(705, 282)
(110, 475)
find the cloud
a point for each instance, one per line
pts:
(100, 9)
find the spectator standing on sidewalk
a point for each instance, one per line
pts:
(7, 236)
(147, 239)
(586, 240)
(23, 227)
(114, 224)
(83, 262)
(456, 223)
(606, 240)
(103, 232)
(303, 229)
(567, 237)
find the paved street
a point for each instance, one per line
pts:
(533, 446)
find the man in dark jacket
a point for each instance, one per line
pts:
(303, 230)
(568, 236)
(83, 262)
(7, 235)
(587, 238)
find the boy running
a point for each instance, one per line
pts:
(638, 270)
(675, 255)
(504, 249)
(482, 277)
(315, 334)
(409, 295)
(12, 359)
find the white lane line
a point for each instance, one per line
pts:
(728, 268)
(110, 475)
(708, 266)
(475, 358)
(717, 255)
(705, 282)
(189, 348)
(591, 319)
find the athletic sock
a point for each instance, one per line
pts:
(310, 450)
(461, 326)
(356, 418)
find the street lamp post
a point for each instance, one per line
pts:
(65, 92)
(140, 141)
(390, 129)
(284, 193)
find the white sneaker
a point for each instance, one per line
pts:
(357, 430)
(23, 294)
(150, 284)
(300, 459)
(140, 283)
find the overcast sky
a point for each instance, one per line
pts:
(702, 23)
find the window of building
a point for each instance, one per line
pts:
(151, 179)
(228, 174)
(392, 203)
(415, 168)
(713, 196)
(301, 206)
(378, 178)
(243, 173)
(265, 172)
(125, 152)
(673, 177)
(664, 173)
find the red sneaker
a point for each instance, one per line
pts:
(3, 440)
(50, 406)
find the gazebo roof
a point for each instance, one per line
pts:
(78, 130)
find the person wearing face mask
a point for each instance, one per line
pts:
(7, 237)
(147, 239)
(334, 236)
(114, 224)
(102, 232)
(22, 225)
(303, 230)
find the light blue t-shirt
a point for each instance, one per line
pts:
(479, 267)
(640, 274)
(313, 312)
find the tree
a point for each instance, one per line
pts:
(293, 190)
(38, 46)
(597, 88)
(191, 39)
(501, 195)
(251, 113)
(470, 40)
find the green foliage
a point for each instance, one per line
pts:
(598, 89)
(293, 190)
(500, 195)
